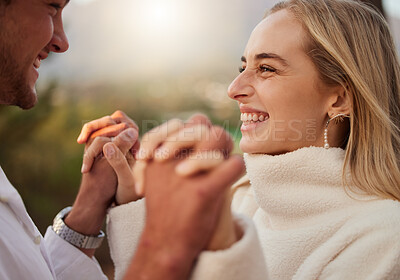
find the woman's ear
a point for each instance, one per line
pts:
(339, 101)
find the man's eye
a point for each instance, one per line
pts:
(241, 69)
(264, 68)
(55, 6)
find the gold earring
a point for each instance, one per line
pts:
(338, 119)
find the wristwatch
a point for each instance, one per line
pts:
(75, 238)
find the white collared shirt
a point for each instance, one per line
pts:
(25, 254)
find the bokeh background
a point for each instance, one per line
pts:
(153, 59)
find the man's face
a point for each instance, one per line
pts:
(29, 31)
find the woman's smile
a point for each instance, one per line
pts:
(252, 120)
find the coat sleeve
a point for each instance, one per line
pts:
(243, 260)
(124, 227)
(69, 262)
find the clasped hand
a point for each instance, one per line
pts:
(184, 169)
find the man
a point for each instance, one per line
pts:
(29, 31)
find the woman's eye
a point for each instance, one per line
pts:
(264, 68)
(241, 69)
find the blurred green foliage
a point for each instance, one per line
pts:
(38, 149)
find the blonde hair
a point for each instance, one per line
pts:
(351, 45)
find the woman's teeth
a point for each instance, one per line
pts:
(253, 117)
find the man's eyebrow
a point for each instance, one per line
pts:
(66, 2)
(267, 55)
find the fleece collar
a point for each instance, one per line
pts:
(300, 188)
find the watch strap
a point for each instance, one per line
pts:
(75, 238)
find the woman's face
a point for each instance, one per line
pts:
(282, 100)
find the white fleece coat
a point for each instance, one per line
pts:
(298, 223)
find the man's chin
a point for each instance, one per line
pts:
(27, 100)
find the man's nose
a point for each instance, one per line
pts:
(59, 41)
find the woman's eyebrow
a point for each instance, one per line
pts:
(267, 55)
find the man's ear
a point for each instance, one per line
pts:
(340, 101)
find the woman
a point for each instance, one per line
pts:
(319, 96)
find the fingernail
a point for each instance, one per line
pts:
(79, 138)
(109, 150)
(83, 169)
(131, 133)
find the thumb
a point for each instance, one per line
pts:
(117, 160)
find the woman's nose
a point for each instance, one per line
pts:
(241, 87)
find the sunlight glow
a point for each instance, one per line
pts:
(160, 16)
(156, 29)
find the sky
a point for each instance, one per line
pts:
(144, 39)
(136, 39)
(391, 6)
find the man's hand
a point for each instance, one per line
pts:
(182, 214)
(208, 146)
(98, 187)
(186, 174)
(201, 147)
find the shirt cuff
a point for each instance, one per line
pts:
(68, 261)
(243, 260)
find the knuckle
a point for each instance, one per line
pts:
(125, 125)
(90, 126)
(98, 140)
(175, 120)
(108, 119)
(203, 194)
(200, 119)
(88, 155)
(85, 126)
(118, 114)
